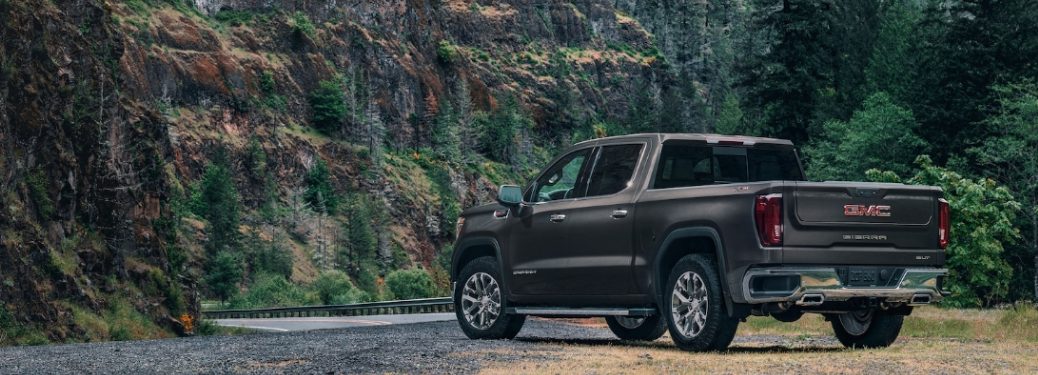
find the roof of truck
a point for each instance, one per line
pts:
(709, 138)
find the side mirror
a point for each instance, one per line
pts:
(510, 195)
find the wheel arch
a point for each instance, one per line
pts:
(474, 247)
(684, 241)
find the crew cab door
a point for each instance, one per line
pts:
(601, 224)
(540, 232)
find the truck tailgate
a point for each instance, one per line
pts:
(858, 214)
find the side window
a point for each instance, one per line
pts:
(614, 169)
(561, 179)
(684, 165)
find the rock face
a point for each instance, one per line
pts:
(109, 109)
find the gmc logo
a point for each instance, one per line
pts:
(861, 210)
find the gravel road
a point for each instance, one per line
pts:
(437, 347)
(433, 347)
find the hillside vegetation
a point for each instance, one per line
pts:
(162, 152)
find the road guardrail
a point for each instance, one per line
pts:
(411, 306)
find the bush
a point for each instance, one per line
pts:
(335, 288)
(301, 25)
(447, 52)
(272, 291)
(410, 284)
(982, 216)
(329, 106)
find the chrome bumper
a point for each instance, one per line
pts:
(916, 286)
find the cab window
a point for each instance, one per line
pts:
(561, 180)
(614, 169)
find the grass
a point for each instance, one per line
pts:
(933, 340)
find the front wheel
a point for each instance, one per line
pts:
(480, 305)
(866, 328)
(694, 306)
(630, 328)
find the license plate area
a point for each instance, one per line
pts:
(869, 276)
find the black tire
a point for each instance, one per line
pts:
(879, 330)
(650, 329)
(717, 329)
(504, 326)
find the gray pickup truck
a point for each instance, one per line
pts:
(693, 233)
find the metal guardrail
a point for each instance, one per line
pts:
(411, 306)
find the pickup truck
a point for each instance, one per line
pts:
(692, 234)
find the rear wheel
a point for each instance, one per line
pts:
(866, 328)
(479, 303)
(694, 306)
(631, 328)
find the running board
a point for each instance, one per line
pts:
(581, 312)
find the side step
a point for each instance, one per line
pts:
(581, 312)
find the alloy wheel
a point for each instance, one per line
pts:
(689, 304)
(481, 300)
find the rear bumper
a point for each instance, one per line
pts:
(812, 286)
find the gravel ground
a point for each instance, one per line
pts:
(438, 347)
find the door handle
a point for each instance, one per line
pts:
(619, 214)
(557, 218)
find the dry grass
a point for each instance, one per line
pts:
(932, 341)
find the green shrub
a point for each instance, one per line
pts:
(272, 291)
(335, 288)
(982, 215)
(126, 323)
(410, 284)
(447, 52)
(301, 25)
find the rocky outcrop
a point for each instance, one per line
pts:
(109, 109)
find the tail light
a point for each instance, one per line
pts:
(943, 223)
(768, 214)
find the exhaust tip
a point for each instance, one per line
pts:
(811, 300)
(921, 299)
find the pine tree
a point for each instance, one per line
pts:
(223, 275)
(446, 142)
(328, 103)
(218, 203)
(319, 192)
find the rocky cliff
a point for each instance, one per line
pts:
(110, 110)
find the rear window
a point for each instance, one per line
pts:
(685, 164)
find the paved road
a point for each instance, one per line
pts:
(309, 324)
